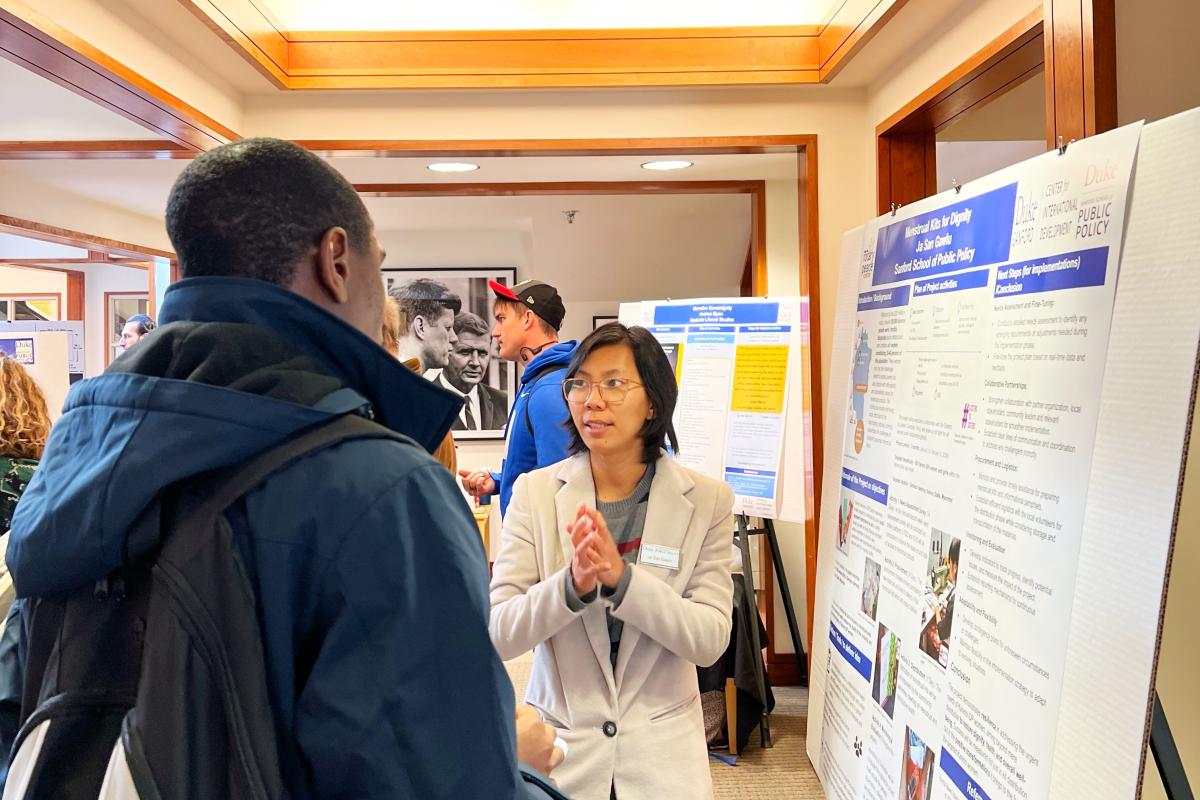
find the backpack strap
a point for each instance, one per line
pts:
(326, 434)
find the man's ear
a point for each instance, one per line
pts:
(419, 327)
(528, 319)
(331, 264)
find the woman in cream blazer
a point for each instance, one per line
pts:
(633, 730)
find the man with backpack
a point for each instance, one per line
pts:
(241, 573)
(528, 319)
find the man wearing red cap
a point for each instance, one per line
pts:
(528, 318)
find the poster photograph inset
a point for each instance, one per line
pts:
(447, 323)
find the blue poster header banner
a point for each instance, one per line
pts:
(973, 233)
(717, 313)
(883, 298)
(959, 777)
(766, 329)
(854, 657)
(952, 283)
(1068, 271)
(867, 487)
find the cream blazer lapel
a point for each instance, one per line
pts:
(578, 487)
(668, 517)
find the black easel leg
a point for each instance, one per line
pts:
(759, 678)
(789, 609)
(1166, 755)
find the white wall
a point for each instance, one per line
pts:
(968, 161)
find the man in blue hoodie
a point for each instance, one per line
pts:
(528, 319)
(370, 580)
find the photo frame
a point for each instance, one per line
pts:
(488, 382)
(603, 319)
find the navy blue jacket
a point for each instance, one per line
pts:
(536, 435)
(371, 579)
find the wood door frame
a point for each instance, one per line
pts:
(1074, 43)
(108, 319)
(783, 667)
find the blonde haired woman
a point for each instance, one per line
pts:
(24, 427)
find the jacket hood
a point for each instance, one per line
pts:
(236, 367)
(557, 356)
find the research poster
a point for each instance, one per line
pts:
(735, 360)
(975, 365)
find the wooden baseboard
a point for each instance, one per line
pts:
(783, 670)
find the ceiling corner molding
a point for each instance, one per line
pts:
(849, 28)
(522, 59)
(37, 43)
(95, 148)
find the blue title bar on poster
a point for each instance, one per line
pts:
(717, 313)
(854, 657)
(972, 233)
(867, 487)
(883, 298)
(657, 329)
(766, 329)
(959, 777)
(751, 482)
(952, 283)
(1067, 271)
(713, 329)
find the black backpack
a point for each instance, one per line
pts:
(152, 682)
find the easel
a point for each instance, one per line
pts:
(1166, 756)
(744, 532)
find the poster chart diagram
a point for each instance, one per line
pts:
(737, 361)
(969, 363)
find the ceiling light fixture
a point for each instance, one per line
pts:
(666, 165)
(453, 166)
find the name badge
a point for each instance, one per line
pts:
(656, 555)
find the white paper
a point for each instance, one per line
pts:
(948, 556)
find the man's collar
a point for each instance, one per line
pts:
(401, 400)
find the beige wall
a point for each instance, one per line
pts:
(19, 280)
(22, 198)
(132, 36)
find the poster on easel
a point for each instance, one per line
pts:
(970, 356)
(738, 362)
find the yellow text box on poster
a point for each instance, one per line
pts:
(759, 378)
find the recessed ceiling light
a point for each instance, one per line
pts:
(453, 166)
(665, 165)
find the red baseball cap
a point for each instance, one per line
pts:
(540, 298)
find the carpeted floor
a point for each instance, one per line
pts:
(781, 773)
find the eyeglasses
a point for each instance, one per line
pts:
(612, 391)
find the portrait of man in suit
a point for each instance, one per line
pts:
(485, 408)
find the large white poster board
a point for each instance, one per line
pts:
(740, 416)
(969, 365)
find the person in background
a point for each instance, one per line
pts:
(614, 567)
(427, 308)
(364, 560)
(393, 329)
(24, 426)
(485, 408)
(135, 328)
(528, 319)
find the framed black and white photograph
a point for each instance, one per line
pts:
(599, 320)
(446, 323)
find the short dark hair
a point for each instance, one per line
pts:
(519, 308)
(466, 322)
(955, 546)
(255, 207)
(655, 373)
(424, 297)
(144, 323)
